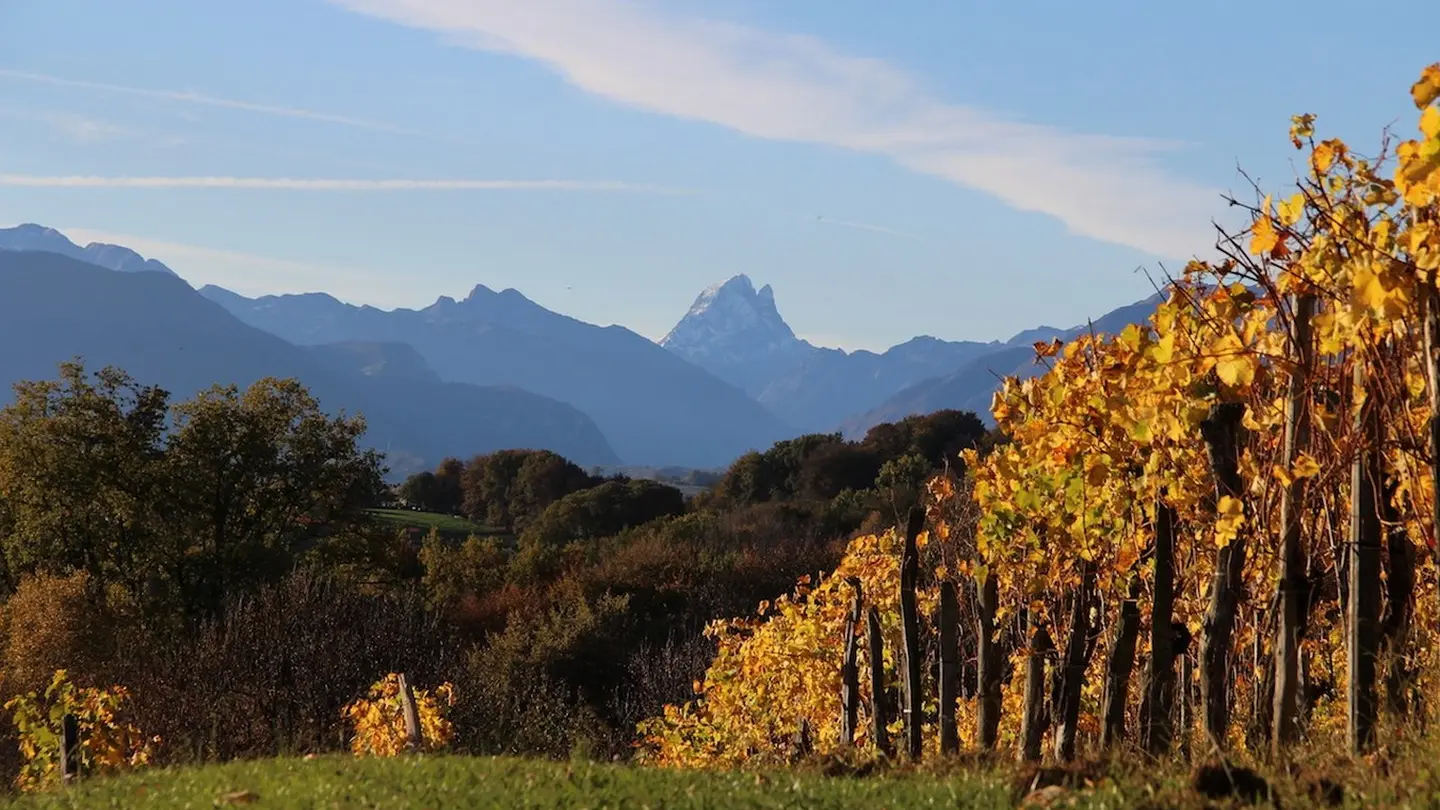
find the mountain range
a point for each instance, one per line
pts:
(737, 333)
(494, 369)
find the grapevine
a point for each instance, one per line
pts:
(1122, 425)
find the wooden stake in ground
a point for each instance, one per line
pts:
(1156, 730)
(910, 629)
(1293, 588)
(850, 669)
(413, 739)
(949, 667)
(1122, 663)
(879, 710)
(987, 715)
(1363, 627)
(1223, 433)
(1072, 675)
(69, 748)
(1033, 721)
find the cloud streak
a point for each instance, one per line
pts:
(861, 226)
(312, 184)
(201, 99)
(796, 88)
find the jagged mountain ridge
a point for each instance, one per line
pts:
(736, 332)
(114, 257)
(972, 386)
(654, 407)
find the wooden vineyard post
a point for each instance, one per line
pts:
(850, 671)
(910, 629)
(1363, 627)
(1122, 663)
(949, 667)
(879, 716)
(1156, 730)
(1432, 373)
(1032, 722)
(410, 713)
(1072, 672)
(1223, 433)
(69, 748)
(1292, 585)
(1187, 704)
(987, 717)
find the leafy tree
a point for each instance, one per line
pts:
(544, 478)
(83, 484)
(509, 487)
(258, 476)
(603, 511)
(439, 491)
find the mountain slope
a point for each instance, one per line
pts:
(834, 384)
(54, 308)
(735, 332)
(654, 407)
(49, 240)
(972, 386)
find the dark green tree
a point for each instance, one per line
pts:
(83, 479)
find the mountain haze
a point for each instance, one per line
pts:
(972, 386)
(736, 332)
(653, 406)
(55, 308)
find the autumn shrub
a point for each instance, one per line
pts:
(270, 675)
(54, 622)
(377, 721)
(108, 742)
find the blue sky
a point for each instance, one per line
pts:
(964, 170)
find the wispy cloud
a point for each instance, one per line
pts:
(252, 275)
(202, 99)
(75, 127)
(861, 226)
(313, 184)
(797, 88)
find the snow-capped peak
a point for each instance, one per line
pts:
(735, 331)
(729, 313)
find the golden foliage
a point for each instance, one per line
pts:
(107, 743)
(378, 720)
(1114, 426)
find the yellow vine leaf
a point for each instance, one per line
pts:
(1427, 89)
(1263, 237)
(1291, 210)
(1230, 515)
(1430, 122)
(1305, 466)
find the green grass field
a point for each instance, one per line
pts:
(447, 524)
(343, 782)
(462, 782)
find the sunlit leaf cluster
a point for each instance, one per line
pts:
(108, 743)
(377, 721)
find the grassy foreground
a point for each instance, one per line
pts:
(432, 782)
(341, 782)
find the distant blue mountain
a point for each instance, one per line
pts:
(49, 240)
(54, 308)
(654, 407)
(972, 386)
